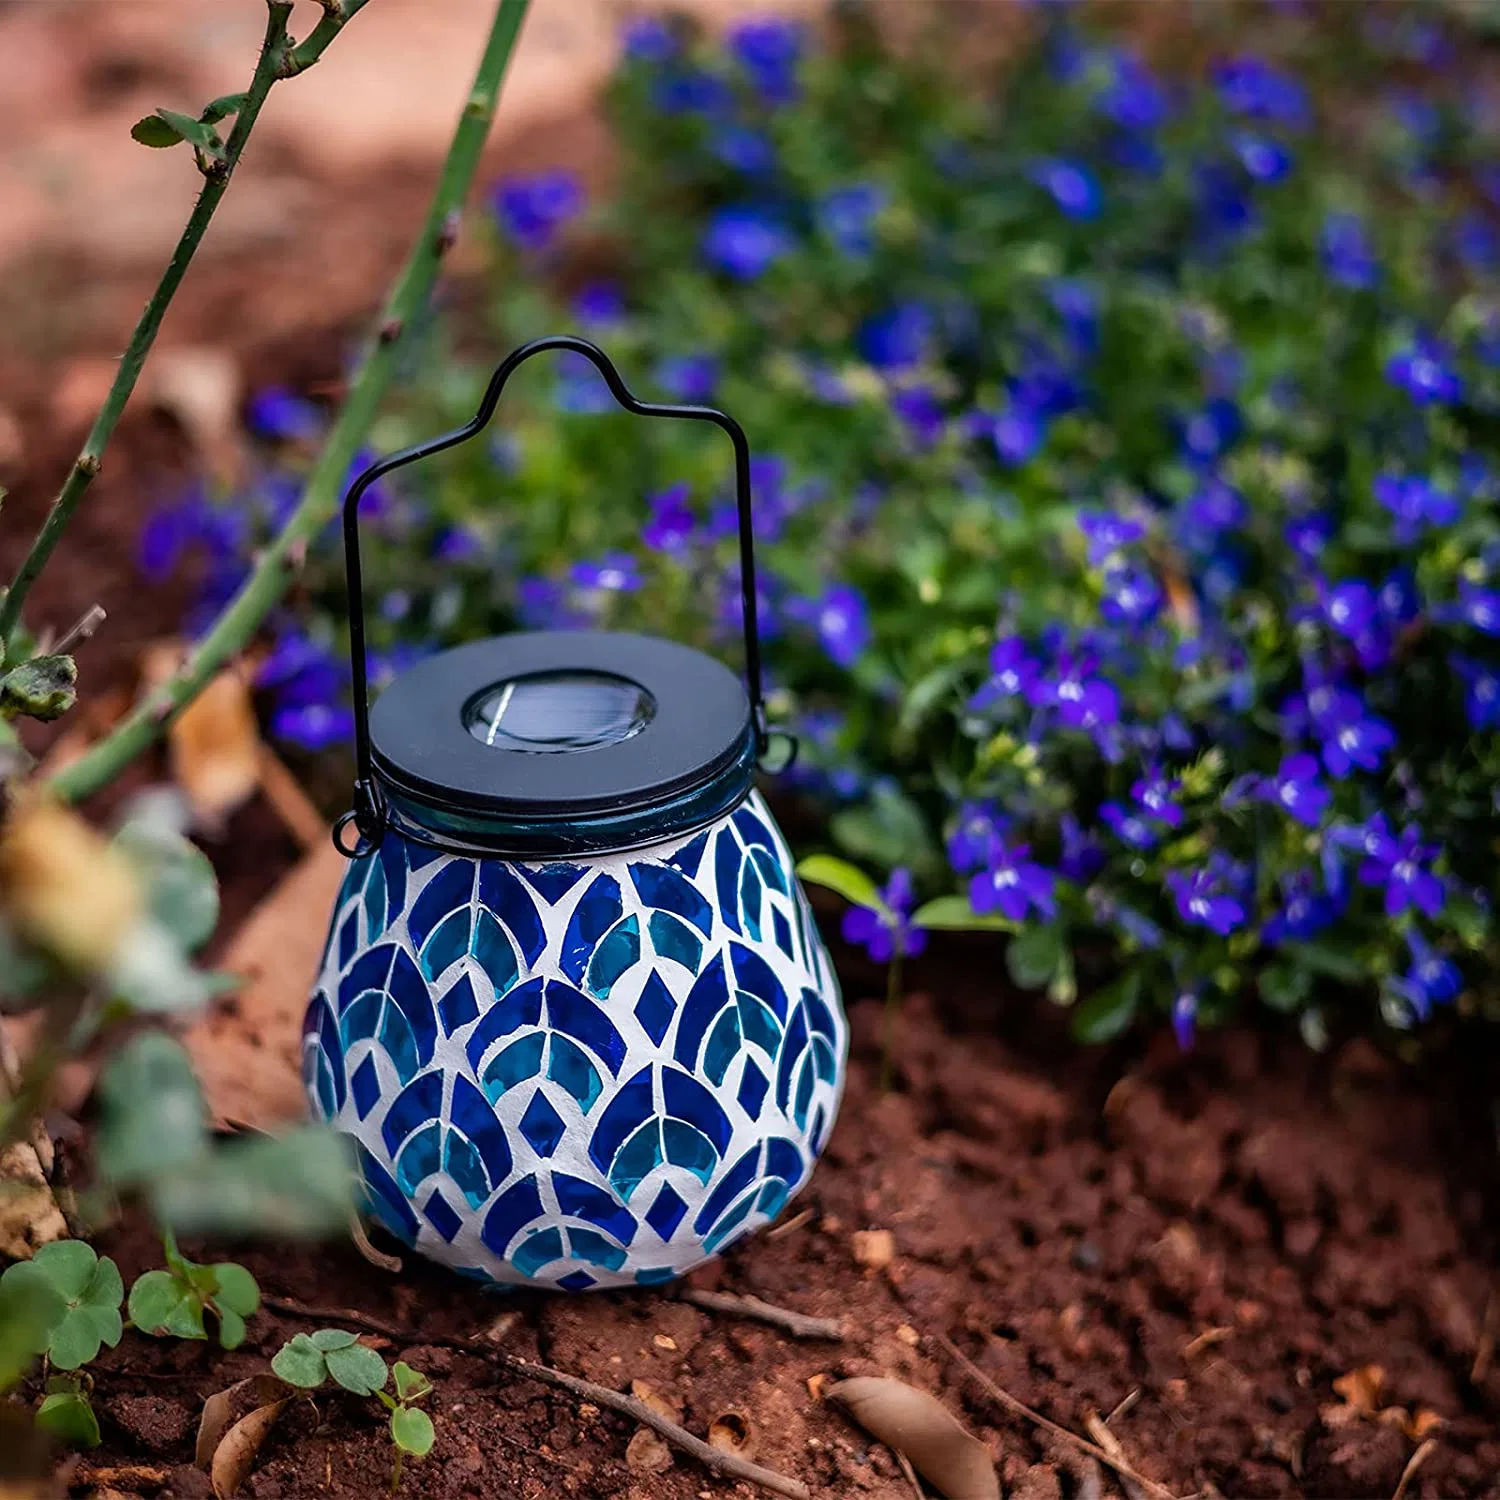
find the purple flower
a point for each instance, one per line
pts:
(1082, 854)
(599, 303)
(580, 387)
(1013, 673)
(975, 836)
(649, 39)
(1296, 788)
(1481, 692)
(1350, 608)
(615, 573)
(691, 91)
(847, 216)
(769, 51)
(688, 377)
(1082, 702)
(457, 544)
(742, 150)
(1307, 536)
(1305, 911)
(920, 413)
(1351, 735)
(1138, 928)
(841, 621)
(1017, 432)
(1013, 885)
(282, 416)
(1185, 1019)
(1425, 372)
(1108, 534)
(1073, 187)
(1131, 596)
(532, 209)
(1208, 432)
(313, 726)
(1346, 253)
(1399, 600)
(1414, 503)
(1202, 902)
(1402, 867)
(745, 242)
(1479, 607)
(1432, 979)
(1128, 825)
(1154, 794)
(1263, 159)
(1134, 99)
(672, 523)
(896, 338)
(1213, 509)
(884, 934)
(1251, 87)
(1223, 209)
(1077, 304)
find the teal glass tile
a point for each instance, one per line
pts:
(448, 943)
(568, 1066)
(515, 1064)
(491, 947)
(461, 1161)
(418, 1159)
(537, 1250)
(673, 938)
(639, 1156)
(722, 1046)
(619, 951)
(751, 891)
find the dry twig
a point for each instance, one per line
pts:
(1116, 1450)
(1005, 1398)
(1485, 1353)
(391, 1263)
(716, 1459)
(799, 1325)
(780, 1231)
(911, 1474)
(1415, 1462)
(1126, 1405)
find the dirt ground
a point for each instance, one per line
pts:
(1204, 1244)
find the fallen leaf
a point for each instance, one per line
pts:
(921, 1427)
(661, 1402)
(1424, 1421)
(874, 1249)
(908, 1335)
(289, 800)
(647, 1452)
(29, 1215)
(732, 1432)
(219, 1412)
(664, 1341)
(817, 1385)
(200, 388)
(1360, 1388)
(236, 1452)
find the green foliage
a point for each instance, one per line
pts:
(171, 1303)
(844, 879)
(66, 1413)
(182, 892)
(309, 1359)
(166, 127)
(68, 1297)
(43, 688)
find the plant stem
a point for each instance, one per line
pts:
(278, 563)
(892, 1005)
(278, 59)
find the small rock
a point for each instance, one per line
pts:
(1302, 1236)
(1086, 1257)
(874, 1249)
(154, 1422)
(473, 1459)
(647, 1453)
(664, 1341)
(190, 1483)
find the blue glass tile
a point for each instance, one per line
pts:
(673, 938)
(823, 1060)
(322, 1082)
(589, 1245)
(753, 1086)
(783, 930)
(447, 944)
(791, 1049)
(751, 892)
(461, 1162)
(538, 1250)
(665, 1214)
(753, 973)
(568, 1066)
(751, 829)
(631, 1106)
(333, 1049)
(582, 1200)
(708, 996)
(513, 904)
(348, 937)
(575, 1281)
(416, 1104)
(442, 1217)
(804, 917)
(640, 1155)
(577, 1016)
(687, 1099)
(727, 877)
(512, 1065)
(475, 1116)
(521, 1007)
(384, 1199)
(374, 899)
(783, 1160)
(723, 1046)
(690, 856)
(803, 1101)
(620, 951)
(392, 878)
(366, 1086)
(517, 1206)
(419, 856)
(396, 1038)
(654, 1275)
(655, 1009)
(370, 971)
(458, 1007)
(687, 1147)
(771, 870)
(664, 888)
(599, 908)
(729, 1186)
(757, 1024)
(493, 953)
(542, 1125)
(450, 888)
(772, 1198)
(553, 881)
(729, 1223)
(361, 1020)
(820, 1124)
(408, 989)
(418, 1159)
(819, 1017)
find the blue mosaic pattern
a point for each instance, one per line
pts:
(579, 1075)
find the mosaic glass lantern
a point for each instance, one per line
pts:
(574, 1011)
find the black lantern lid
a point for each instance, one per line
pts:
(562, 741)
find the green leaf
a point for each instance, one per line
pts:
(844, 879)
(231, 1329)
(30, 1309)
(164, 1305)
(955, 914)
(42, 688)
(333, 1338)
(411, 1431)
(75, 1341)
(222, 107)
(1034, 955)
(411, 1385)
(237, 1290)
(105, 1289)
(1284, 986)
(152, 1117)
(887, 831)
(1109, 1011)
(69, 1265)
(181, 888)
(1334, 963)
(300, 1362)
(357, 1368)
(166, 127)
(68, 1417)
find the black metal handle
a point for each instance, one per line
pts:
(368, 814)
